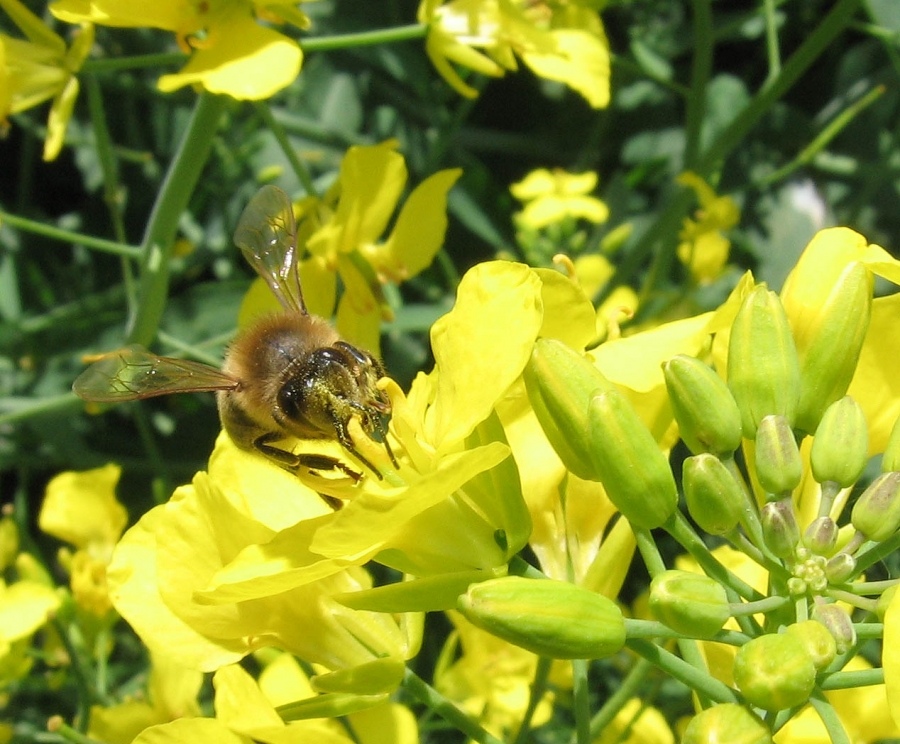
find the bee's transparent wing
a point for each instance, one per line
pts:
(133, 373)
(267, 236)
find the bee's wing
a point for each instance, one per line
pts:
(267, 236)
(133, 373)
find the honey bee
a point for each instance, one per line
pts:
(288, 376)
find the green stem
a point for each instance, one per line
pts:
(69, 236)
(441, 706)
(678, 527)
(366, 38)
(275, 126)
(701, 69)
(813, 46)
(837, 734)
(22, 409)
(846, 680)
(695, 679)
(624, 692)
(171, 201)
(535, 695)
(581, 702)
(876, 552)
(648, 550)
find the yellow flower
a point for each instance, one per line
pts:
(164, 565)
(233, 54)
(41, 68)
(245, 713)
(704, 247)
(551, 196)
(81, 509)
(564, 43)
(637, 723)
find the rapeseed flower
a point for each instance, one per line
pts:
(82, 510)
(232, 54)
(552, 196)
(41, 68)
(703, 247)
(563, 43)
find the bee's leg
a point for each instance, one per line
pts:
(343, 436)
(292, 462)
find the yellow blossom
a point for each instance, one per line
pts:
(39, 69)
(551, 196)
(82, 509)
(564, 43)
(233, 54)
(704, 247)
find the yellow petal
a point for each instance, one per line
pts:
(191, 731)
(171, 15)
(243, 60)
(420, 228)
(24, 607)
(81, 508)
(60, 114)
(481, 346)
(580, 60)
(240, 704)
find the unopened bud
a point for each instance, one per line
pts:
(693, 604)
(877, 511)
(821, 535)
(891, 459)
(708, 418)
(779, 467)
(726, 722)
(840, 568)
(817, 640)
(774, 672)
(763, 370)
(548, 617)
(779, 527)
(714, 499)
(835, 618)
(560, 383)
(840, 449)
(628, 461)
(832, 342)
(9, 541)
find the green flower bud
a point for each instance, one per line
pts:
(763, 369)
(829, 359)
(726, 722)
(841, 447)
(838, 622)
(877, 511)
(550, 618)
(840, 568)
(708, 418)
(693, 604)
(817, 639)
(891, 459)
(779, 527)
(629, 462)
(778, 464)
(560, 383)
(774, 672)
(821, 535)
(714, 499)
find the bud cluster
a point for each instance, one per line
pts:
(777, 391)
